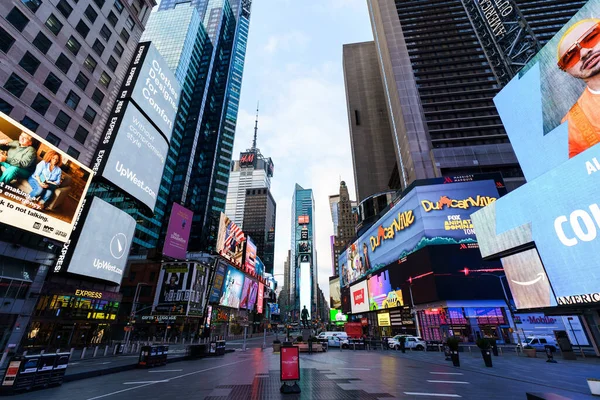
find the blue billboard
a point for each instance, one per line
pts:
(232, 288)
(552, 116)
(215, 290)
(427, 215)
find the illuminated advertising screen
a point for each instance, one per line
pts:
(101, 243)
(41, 187)
(383, 319)
(219, 278)
(305, 286)
(337, 316)
(303, 220)
(359, 297)
(248, 159)
(178, 232)
(550, 115)
(304, 247)
(260, 298)
(274, 309)
(250, 255)
(346, 307)
(436, 214)
(379, 287)
(260, 266)
(230, 240)
(335, 294)
(181, 288)
(249, 294)
(232, 288)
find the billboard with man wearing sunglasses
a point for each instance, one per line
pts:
(551, 112)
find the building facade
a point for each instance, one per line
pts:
(344, 222)
(260, 212)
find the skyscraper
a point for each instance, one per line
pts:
(373, 149)
(441, 70)
(344, 222)
(303, 254)
(259, 223)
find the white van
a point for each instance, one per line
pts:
(540, 342)
(334, 339)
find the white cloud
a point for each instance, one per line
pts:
(291, 41)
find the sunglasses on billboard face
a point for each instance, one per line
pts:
(586, 41)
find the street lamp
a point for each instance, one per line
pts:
(133, 310)
(510, 310)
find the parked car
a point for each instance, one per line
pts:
(410, 342)
(397, 337)
(540, 342)
(334, 339)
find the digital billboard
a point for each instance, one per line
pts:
(379, 287)
(550, 115)
(260, 266)
(346, 307)
(248, 159)
(250, 255)
(274, 309)
(41, 187)
(337, 316)
(359, 297)
(249, 294)
(303, 220)
(219, 278)
(155, 89)
(304, 247)
(232, 288)
(436, 214)
(230, 240)
(260, 298)
(178, 232)
(101, 243)
(335, 294)
(305, 286)
(181, 288)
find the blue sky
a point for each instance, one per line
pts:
(294, 68)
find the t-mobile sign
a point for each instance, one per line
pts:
(178, 232)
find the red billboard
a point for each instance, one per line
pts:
(259, 301)
(290, 363)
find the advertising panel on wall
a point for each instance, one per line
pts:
(427, 215)
(100, 243)
(219, 278)
(551, 116)
(335, 294)
(305, 286)
(178, 232)
(181, 288)
(250, 255)
(42, 188)
(337, 316)
(260, 267)
(260, 298)
(346, 306)
(359, 297)
(230, 240)
(381, 294)
(249, 293)
(232, 288)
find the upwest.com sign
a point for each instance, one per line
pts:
(445, 201)
(403, 221)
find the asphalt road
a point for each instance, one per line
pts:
(254, 374)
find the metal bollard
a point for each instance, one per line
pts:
(105, 350)
(83, 353)
(25, 353)
(71, 352)
(501, 351)
(57, 350)
(115, 350)
(42, 352)
(95, 352)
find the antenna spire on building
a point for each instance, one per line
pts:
(255, 128)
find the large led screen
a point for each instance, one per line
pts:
(250, 255)
(102, 245)
(41, 187)
(427, 215)
(551, 116)
(260, 298)
(359, 297)
(305, 286)
(232, 288)
(181, 288)
(337, 316)
(219, 278)
(335, 294)
(178, 232)
(379, 288)
(249, 293)
(230, 240)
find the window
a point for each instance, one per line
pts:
(82, 29)
(29, 63)
(119, 6)
(543, 341)
(90, 64)
(98, 47)
(72, 100)
(63, 63)
(119, 49)
(54, 24)
(90, 114)
(15, 85)
(98, 96)
(42, 42)
(82, 81)
(105, 33)
(124, 35)
(99, 3)
(53, 139)
(91, 14)
(30, 124)
(17, 19)
(112, 64)
(105, 79)
(81, 134)
(32, 4)
(137, 6)
(73, 45)
(73, 153)
(5, 107)
(62, 120)
(40, 104)
(129, 23)
(52, 83)
(112, 18)
(64, 8)
(6, 41)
